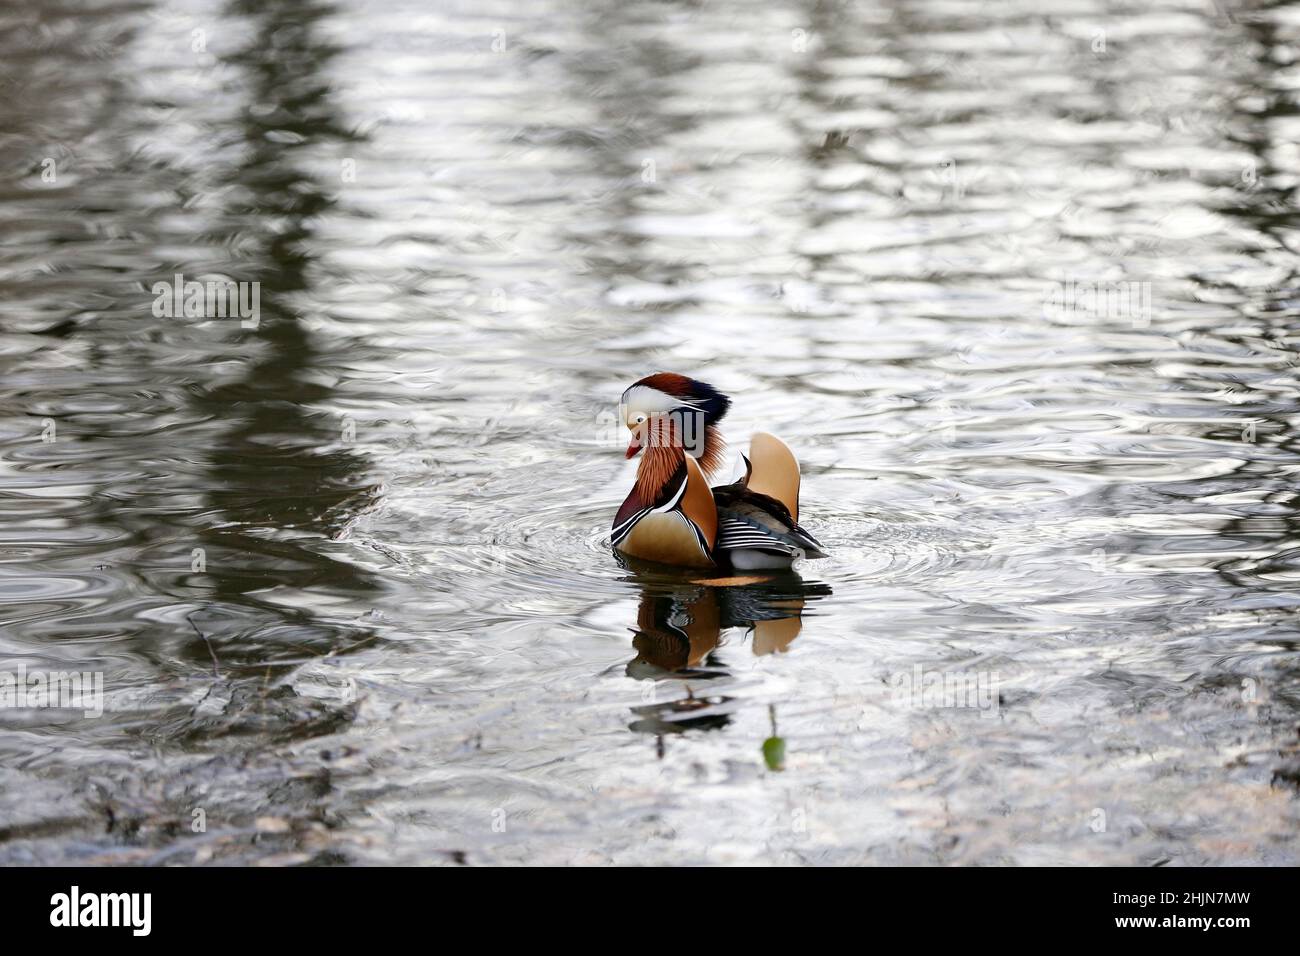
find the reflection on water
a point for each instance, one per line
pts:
(680, 625)
(1018, 285)
(274, 461)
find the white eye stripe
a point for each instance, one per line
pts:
(642, 399)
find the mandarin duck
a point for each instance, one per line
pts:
(672, 516)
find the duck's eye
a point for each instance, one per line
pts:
(638, 420)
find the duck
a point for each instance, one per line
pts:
(672, 516)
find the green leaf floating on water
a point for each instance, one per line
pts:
(774, 753)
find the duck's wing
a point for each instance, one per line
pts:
(697, 503)
(748, 519)
(772, 470)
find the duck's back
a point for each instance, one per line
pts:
(756, 531)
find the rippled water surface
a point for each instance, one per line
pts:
(346, 574)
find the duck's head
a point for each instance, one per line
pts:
(670, 410)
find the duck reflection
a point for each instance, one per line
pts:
(682, 623)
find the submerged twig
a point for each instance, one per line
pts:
(216, 665)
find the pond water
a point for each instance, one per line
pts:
(1016, 281)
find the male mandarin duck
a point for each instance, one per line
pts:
(672, 516)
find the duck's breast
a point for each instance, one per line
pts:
(667, 537)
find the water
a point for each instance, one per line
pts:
(345, 574)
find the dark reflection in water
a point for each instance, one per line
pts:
(281, 463)
(679, 628)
